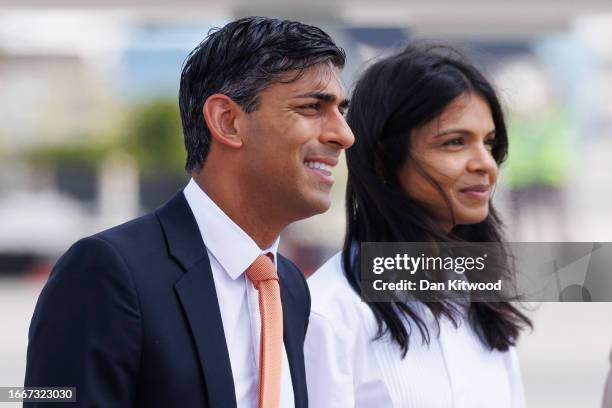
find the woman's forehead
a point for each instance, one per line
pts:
(469, 110)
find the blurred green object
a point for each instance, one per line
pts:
(85, 154)
(154, 137)
(540, 150)
(151, 133)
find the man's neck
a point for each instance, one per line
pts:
(256, 223)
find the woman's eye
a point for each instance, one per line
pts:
(454, 142)
(491, 142)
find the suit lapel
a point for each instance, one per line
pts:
(291, 336)
(198, 297)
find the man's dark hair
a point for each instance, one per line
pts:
(240, 60)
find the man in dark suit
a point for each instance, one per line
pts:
(160, 312)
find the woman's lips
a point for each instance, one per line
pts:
(480, 192)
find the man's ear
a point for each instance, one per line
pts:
(221, 114)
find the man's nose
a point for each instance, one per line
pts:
(337, 132)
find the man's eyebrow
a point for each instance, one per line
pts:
(323, 96)
(459, 131)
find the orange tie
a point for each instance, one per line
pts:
(263, 275)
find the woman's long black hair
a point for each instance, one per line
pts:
(394, 96)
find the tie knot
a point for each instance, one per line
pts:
(262, 269)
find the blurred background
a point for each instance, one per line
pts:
(90, 137)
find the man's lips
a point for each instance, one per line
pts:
(322, 166)
(329, 161)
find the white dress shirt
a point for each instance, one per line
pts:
(345, 367)
(231, 251)
(607, 399)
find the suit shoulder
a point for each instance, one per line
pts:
(127, 242)
(139, 227)
(91, 272)
(86, 250)
(136, 239)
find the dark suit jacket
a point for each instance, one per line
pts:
(130, 317)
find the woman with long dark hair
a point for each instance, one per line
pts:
(429, 138)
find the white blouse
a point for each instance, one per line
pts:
(345, 367)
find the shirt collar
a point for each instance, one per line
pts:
(233, 248)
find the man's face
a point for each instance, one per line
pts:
(292, 142)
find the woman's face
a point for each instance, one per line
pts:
(455, 150)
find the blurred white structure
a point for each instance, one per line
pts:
(118, 198)
(42, 222)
